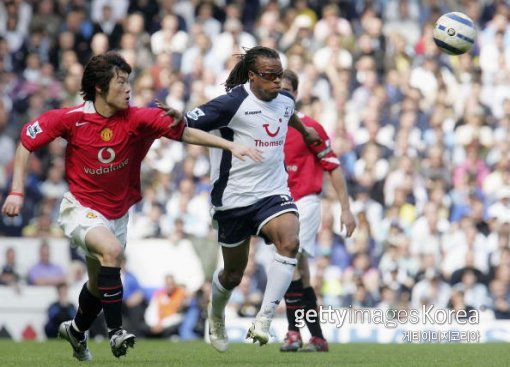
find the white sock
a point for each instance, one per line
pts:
(278, 280)
(220, 296)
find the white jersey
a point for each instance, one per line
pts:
(241, 117)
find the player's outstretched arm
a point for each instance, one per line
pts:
(176, 115)
(14, 201)
(346, 218)
(199, 137)
(309, 134)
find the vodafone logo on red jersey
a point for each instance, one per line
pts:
(106, 155)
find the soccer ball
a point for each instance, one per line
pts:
(454, 33)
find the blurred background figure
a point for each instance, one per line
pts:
(165, 314)
(9, 274)
(59, 311)
(44, 272)
(134, 303)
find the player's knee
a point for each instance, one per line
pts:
(112, 255)
(232, 279)
(289, 247)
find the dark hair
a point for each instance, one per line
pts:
(239, 74)
(292, 78)
(99, 71)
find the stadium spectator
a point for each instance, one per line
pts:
(109, 25)
(169, 38)
(359, 297)
(6, 144)
(94, 211)
(475, 294)
(195, 316)
(432, 290)
(305, 166)
(44, 272)
(9, 274)
(164, 313)
(500, 299)
(134, 303)
(55, 186)
(458, 303)
(43, 225)
(59, 312)
(232, 37)
(150, 225)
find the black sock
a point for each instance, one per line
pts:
(77, 334)
(89, 307)
(111, 291)
(310, 302)
(293, 302)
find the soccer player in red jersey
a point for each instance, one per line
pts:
(305, 166)
(106, 142)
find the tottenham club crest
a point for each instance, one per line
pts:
(287, 112)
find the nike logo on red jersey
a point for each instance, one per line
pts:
(81, 123)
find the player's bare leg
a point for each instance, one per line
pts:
(103, 244)
(283, 232)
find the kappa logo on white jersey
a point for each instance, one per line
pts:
(34, 129)
(195, 114)
(286, 200)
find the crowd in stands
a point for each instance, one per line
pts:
(423, 137)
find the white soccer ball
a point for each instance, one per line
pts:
(454, 33)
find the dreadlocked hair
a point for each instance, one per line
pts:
(247, 62)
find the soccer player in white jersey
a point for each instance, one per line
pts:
(252, 199)
(106, 142)
(306, 165)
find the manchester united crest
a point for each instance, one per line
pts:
(91, 215)
(106, 134)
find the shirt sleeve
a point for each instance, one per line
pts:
(327, 158)
(216, 113)
(152, 123)
(46, 128)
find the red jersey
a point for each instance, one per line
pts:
(305, 164)
(103, 155)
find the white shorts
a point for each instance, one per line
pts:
(77, 220)
(309, 208)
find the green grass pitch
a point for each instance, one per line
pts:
(151, 353)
